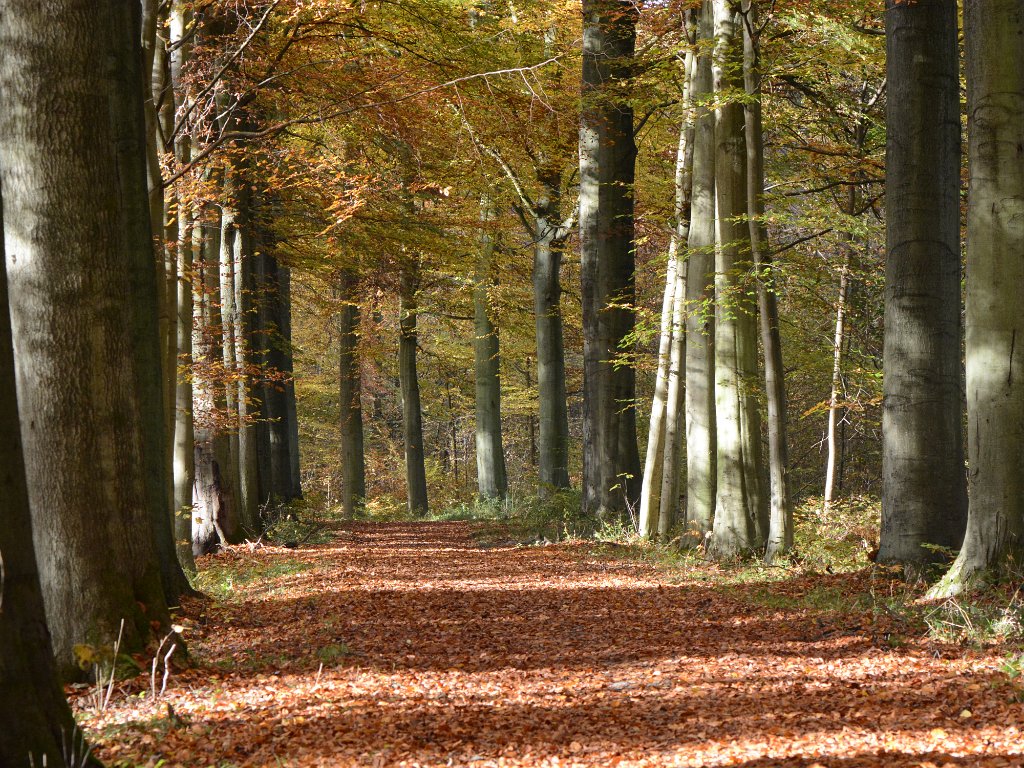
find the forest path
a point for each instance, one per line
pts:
(437, 652)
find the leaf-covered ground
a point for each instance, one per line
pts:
(407, 644)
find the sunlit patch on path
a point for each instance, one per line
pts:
(408, 645)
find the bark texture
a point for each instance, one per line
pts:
(701, 472)
(36, 719)
(994, 34)
(924, 486)
(611, 459)
(741, 511)
(82, 278)
(780, 525)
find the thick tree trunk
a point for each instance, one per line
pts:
(491, 479)
(353, 461)
(780, 526)
(83, 309)
(37, 722)
(553, 426)
(701, 472)
(924, 484)
(994, 34)
(412, 413)
(611, 460)
(741, 511)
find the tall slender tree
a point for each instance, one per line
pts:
(353, 463)
(491, 477)
(780, 527)
(924, 487)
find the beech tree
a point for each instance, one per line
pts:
(611, 459)
(924, 488)
(82, 277)
(741, 512)
(994, 40)
(37, 720)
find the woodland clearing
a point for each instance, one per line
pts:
(409, 644)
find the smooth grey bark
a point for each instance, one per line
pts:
(550, 233)
(353, 457)
(549, 229)
(659, 495)
(214, 519)
(83, 309)
(36, 719)
(248, 480)
(994, 35)
(229, 351)
(701, 471)
(924, 483)
(675, 395)
(612, 475)
(412, 413)
(838, 342)
(491, 479)
(780, 525)
(184, 423)
(741, 511)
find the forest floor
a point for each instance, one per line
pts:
(410, 644)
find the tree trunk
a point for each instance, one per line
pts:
(353, 462)
(701, 471)
(611, 460)
(214, 521)
(924, 484)
(491, 479)
(553, 424)
(37, 720)
(994, 34)
(229, 323)
(837, 380)
(660, 490)
(780, 526)
(412, 414)
(83, 310)
(741, 511)
(248, 467)
(184, 424)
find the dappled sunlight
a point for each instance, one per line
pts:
(407, 644)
